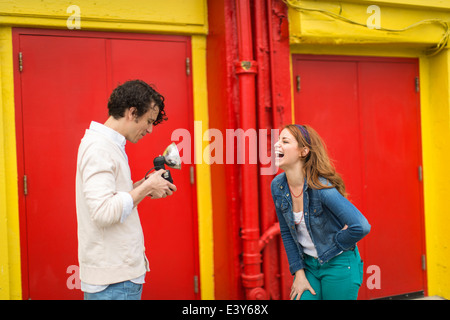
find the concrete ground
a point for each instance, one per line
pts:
(430, 298)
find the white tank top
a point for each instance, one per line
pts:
(303, 236)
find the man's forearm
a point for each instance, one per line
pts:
(138, 183)
(138, 193)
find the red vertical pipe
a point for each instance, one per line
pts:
(223, 104)
(278, 28)
(270, 265)
(280, 53)
(252, 277)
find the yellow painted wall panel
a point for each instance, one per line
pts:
(438, 4)
(203, 170)
(179, 16)
(10, 276)
(435, 117)
(340, 23)
(167, 11)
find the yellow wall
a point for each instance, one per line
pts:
(10, 285)
(203, 173)
(168, 16)
(144, 16)
(323, 33)
(407, 26)
(436, 157)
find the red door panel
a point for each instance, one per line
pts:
(367, 111)
(393, 194)
(328, 101)
(65, 83)
(61, 90)
(169, 224)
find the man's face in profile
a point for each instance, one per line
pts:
(143, 125)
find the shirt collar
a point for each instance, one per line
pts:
(112, 134)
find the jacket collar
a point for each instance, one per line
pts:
(283, 186)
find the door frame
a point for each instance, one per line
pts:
(19, 131)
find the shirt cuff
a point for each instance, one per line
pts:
(127, 206)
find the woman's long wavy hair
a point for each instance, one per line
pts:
(317, 163)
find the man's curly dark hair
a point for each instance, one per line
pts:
(138, 94)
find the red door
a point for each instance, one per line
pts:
(367, 111)
(65, 83)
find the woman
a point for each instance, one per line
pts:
(319, 226)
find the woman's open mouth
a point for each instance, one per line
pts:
(279, 154)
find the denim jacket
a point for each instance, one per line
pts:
(326, 212)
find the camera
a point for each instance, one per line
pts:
(171, 158)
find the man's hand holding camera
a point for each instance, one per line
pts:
(160, 187)
(155, 186)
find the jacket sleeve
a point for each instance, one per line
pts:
(347, 214)
(104, 203)
(294, 258)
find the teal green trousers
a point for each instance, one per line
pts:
(338, 279)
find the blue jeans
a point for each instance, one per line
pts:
(118, 291)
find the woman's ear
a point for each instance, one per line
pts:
(304, 153)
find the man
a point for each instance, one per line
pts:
(110, 239)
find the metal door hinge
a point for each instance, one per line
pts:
(420, 173)
(25, 185)
(424, 263)
(188, 66)
(20, 61)
(417, 84)
(298, 83)
(191, 173)
(195, 284)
